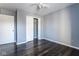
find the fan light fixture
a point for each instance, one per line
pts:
(40, 6)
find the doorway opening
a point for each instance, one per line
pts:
(32, 28)
(35, 29)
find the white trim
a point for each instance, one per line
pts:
(21, 43)
(62, 43)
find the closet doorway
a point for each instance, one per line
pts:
(33, 28)
(35, 33)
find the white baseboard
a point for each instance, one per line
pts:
(6, 42)
(62, 43)
(21, 43)
(24, 42)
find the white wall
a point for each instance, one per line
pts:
(23, 22)
(21, 27)
(57, 27)
(6, 29)
(29, 28)
(62, 26)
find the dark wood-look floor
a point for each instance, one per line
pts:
(7, 49)
(44, 48)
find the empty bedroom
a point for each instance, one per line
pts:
(39, 29)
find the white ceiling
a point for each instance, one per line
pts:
(30, 9)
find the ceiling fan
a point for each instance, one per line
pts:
(40, 6)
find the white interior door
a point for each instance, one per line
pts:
(6, 29)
